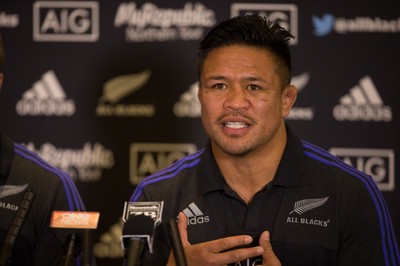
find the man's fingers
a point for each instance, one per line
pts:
(182, 227)
(269, 257)
(233, 256)
(224, 251)
(223, 244)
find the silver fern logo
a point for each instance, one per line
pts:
(306, 205)
(8, 190)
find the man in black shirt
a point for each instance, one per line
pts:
(49, 189)
(255, 184)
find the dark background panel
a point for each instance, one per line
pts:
(334, 63)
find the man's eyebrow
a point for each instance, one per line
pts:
(217, 77)
(252, 78)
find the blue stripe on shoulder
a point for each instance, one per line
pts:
(168, 172)
(389, 244)
(73, 198)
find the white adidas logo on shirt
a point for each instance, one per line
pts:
(195, 215)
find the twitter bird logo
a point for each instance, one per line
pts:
(323, 26)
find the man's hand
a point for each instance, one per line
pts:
(269, 257)
(215, 252)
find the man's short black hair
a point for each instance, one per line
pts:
(250, 30)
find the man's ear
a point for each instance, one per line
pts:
(289, 96)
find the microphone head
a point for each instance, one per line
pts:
(138, 225)
(141, 220)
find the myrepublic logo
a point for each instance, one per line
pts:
(66, 21)
(284, 14)
(325, 24)
(150, 23)
(378, 163)
(148, 158)
(85, 164)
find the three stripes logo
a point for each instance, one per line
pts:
(45, 98)
(362, 103)
(195, 215)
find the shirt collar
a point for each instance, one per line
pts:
(290, 169)
(289, 173)
(209, 175)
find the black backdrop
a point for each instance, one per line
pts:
(106, 90)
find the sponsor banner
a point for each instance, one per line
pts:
(362, 103)
(117, 88)
(327, 23)
(148, 158)
(66, 21)
(46, 97)
(8, 20)
(107, 91)
(151, 23)
(84, 165)
(109, 243)
(378, 163)
(284, 14)
(188, 104)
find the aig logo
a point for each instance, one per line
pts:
(65, 21)
(284, 14)
(148, 158)
(379, 163)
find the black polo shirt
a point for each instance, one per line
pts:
(319, 210)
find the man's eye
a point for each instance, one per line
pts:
(219, 86)
(253, 87)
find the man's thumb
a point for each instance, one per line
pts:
(269, 257)
(182, 227)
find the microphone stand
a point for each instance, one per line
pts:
(69, 255)
(177, 247)
(135, 252)
(13, 232)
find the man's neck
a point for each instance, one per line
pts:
(248, 174)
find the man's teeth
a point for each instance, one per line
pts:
(235, 125)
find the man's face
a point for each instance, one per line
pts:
(243, 104)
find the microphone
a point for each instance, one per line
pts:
(13, 232)
(177, 247)
(141, 220)
(78, 221)
(72, 250)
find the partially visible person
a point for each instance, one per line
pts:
(22, 170)
(257, 194)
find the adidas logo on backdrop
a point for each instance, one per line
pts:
(362, 103)
(195, 215)
(45, 98)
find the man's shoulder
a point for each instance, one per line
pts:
(180, 174)
(28, 160)
(324, 165)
